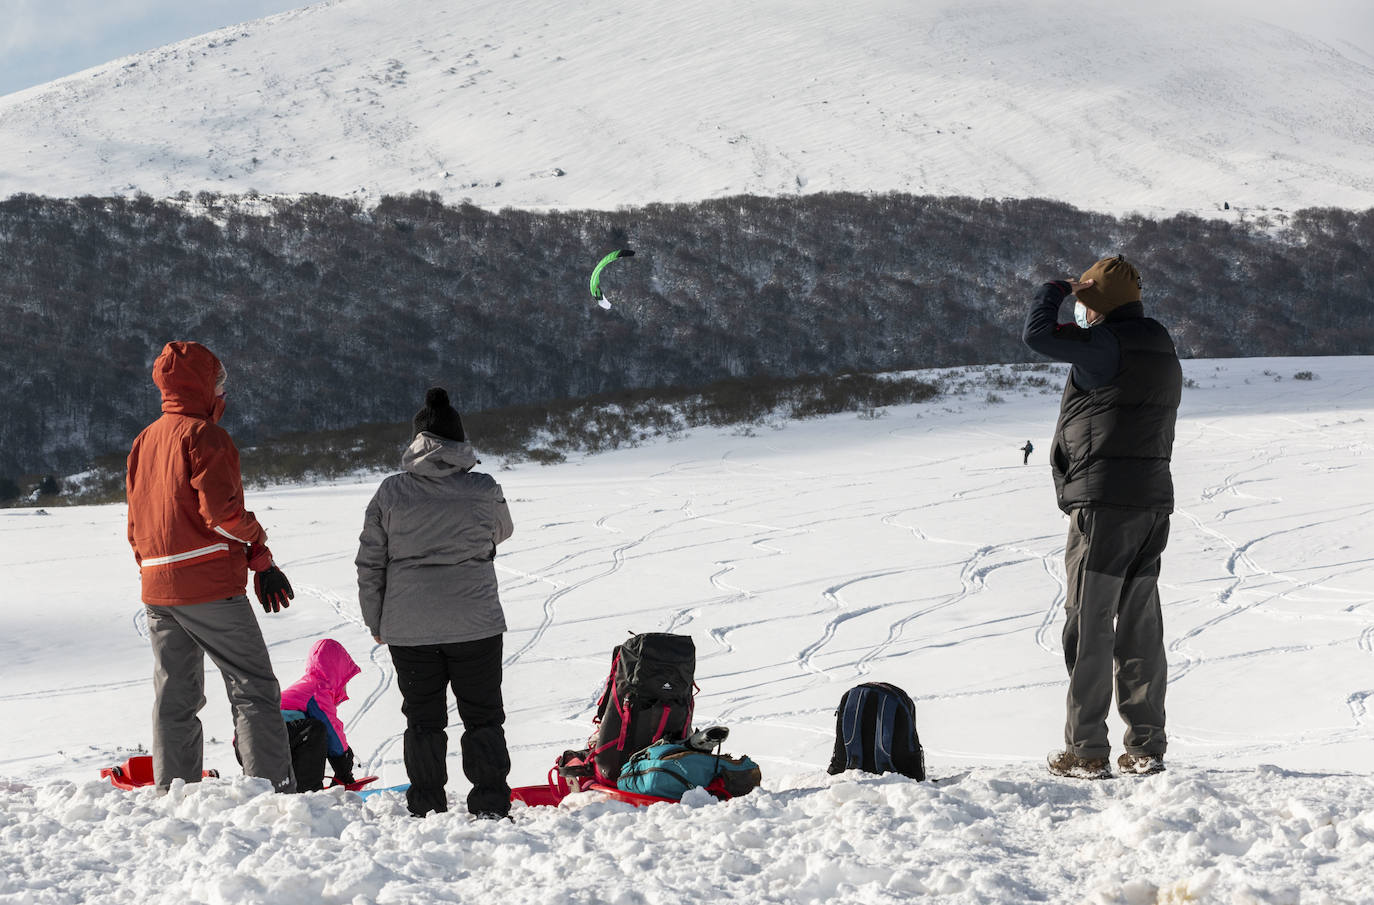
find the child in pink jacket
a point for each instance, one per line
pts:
(311, 709)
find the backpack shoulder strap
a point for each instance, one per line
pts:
(851, 725)
(883, 727)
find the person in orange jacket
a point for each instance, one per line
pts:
(194, 543)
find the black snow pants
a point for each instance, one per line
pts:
(473, 670)
(309, 750)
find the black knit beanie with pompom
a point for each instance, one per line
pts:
(439, 416)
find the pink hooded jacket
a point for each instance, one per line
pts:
(323, 688)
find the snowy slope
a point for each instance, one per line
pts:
(802, 558)
(571, 103)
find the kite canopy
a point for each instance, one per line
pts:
(596, 273)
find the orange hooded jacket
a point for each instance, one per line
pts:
(187, 525)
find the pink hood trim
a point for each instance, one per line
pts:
(329, 663)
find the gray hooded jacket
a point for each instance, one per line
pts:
(425, 558)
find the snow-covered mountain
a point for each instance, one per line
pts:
(572, 103)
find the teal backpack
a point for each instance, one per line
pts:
(668, 769)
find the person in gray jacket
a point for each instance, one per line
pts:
(427, 587)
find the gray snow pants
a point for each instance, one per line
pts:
(1114, 625)
(228, 631)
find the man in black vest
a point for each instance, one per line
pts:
(1110, 460)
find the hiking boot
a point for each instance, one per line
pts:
(1140, 764)
(1066, 763)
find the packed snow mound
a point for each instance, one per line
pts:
(556, 104)
(987, 836)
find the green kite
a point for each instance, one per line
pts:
(597, 294)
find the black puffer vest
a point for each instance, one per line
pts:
(1112, 445)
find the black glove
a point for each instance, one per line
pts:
(273, 590)
(342, 764)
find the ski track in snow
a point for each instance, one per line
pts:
(550, 609)
(1243, 569)
(1053, 563)
(842, 608)
(1359, 700)
(806, 657)
(64, 691)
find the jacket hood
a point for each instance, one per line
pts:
(1126, 312)
(434, 456)
(329, 662)
(186, 372)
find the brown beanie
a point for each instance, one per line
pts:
(439, 417)
(1115, 283)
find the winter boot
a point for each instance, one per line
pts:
(1066, 763)
(1140, 764)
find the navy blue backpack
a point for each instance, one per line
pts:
(875, 731)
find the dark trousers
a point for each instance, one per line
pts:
(473, 670)
(1114, 628)
(309, 747)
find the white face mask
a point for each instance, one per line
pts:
(1080, 314)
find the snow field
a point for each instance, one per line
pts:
(802, 557)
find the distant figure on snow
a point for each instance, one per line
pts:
(427, 587)
(194, 543)
(1027, 449)
(310, 707)
(1110, 460)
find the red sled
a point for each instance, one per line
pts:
(356, 785)
(556, 789)
(137, 772)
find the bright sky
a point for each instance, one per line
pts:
(41, 40)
